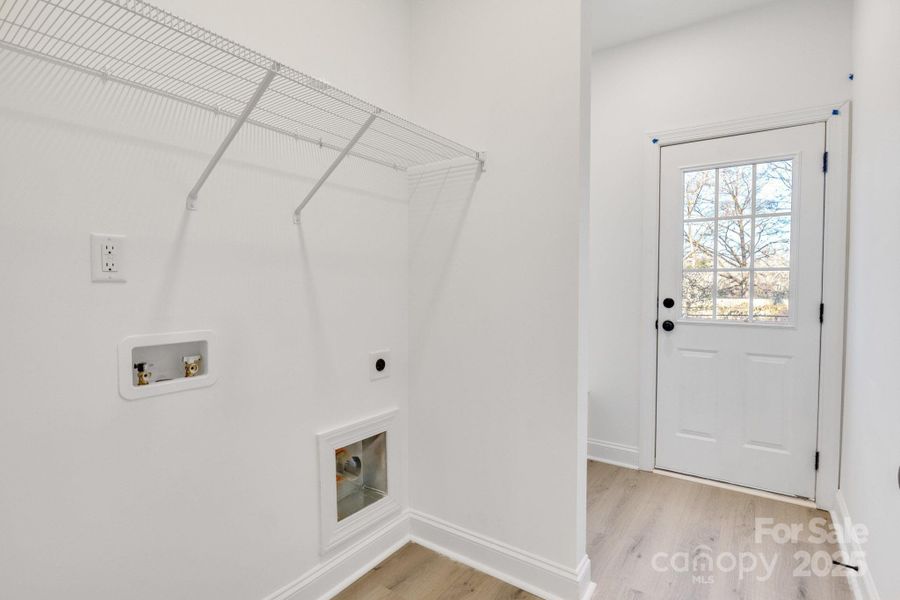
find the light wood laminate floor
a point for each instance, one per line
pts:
(634, 516)
(416, 573)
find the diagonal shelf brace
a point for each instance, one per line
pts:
(251, 104)
(334, 165)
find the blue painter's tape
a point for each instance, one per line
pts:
(835, 111)
(850, 77)
(655, 140)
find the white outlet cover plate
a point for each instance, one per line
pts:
(98, 240)
(373, 358)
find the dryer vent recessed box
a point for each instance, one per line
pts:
(359, 480)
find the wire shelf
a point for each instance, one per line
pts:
(137, 44)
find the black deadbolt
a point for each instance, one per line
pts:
(668, 303)
(380, 365)
(668, 325)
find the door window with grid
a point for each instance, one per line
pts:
(737, 242)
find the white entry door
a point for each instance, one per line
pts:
(740, 287)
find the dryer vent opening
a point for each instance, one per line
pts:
(360, 474)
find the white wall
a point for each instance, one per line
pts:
(358, 45)
(784, 56)
(495, 278)
(871, 409)
(211, 493)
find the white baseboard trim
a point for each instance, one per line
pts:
(531, 573)
(613, 453)
(332, 576)
(862, 585)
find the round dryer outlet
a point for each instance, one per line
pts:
(379, 364)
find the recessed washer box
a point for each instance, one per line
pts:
(161, 358)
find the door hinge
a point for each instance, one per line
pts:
(848, 566)
(817, 460)
(825, 162)
(822, 312)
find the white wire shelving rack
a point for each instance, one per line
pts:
(136, 44)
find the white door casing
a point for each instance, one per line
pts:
(737, 390)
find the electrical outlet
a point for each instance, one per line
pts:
(107, 257)
(379, 364)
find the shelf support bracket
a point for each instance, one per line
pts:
(334, 165)
(245, 114)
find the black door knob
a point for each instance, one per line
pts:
(668, 325)
(668, 303)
